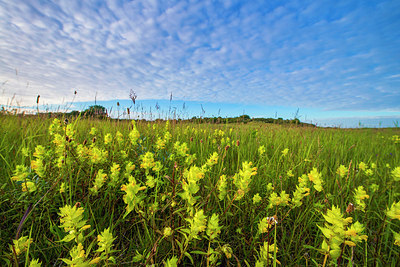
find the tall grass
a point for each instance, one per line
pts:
(179, 214)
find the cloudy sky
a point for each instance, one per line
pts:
(322, 56)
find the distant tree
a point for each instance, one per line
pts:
(295, 121)
(96, 111)
(74, 113)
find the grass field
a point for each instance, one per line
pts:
(111, 192)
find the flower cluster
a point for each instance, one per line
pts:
(315, 177)
(71, 219)
(302, 190)
(337, 232)
(243, 178)
(189, 184)
(21, 174)
(359, 195)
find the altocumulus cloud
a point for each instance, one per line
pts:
(337, 55)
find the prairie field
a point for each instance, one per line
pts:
(88, 192)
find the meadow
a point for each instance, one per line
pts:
(107, 192)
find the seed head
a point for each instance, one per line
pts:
(350, 208)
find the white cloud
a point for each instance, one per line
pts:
(237, 51)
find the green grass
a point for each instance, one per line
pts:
(139, 235)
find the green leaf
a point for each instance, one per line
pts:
(180, 245)
(126, 214)
(185, 231)
(190, 257)
(68, 238)
(90, 234)
(138, 257)
(89, 248)
(310, 247)
(325, 246)
(55, 230)
(198, 252)
(112, 259)
(67, 261)
(171, 262)
(335, 253)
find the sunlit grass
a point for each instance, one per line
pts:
(116, 192)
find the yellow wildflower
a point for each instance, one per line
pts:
(342, 171)
(396, 174)
(315, 177)
(362, 166)
(394, 211)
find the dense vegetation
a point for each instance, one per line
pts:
(88, 191)
(100, 112)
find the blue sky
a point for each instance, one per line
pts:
(331, 59)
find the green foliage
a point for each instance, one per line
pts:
(179, 194)
(339, 232)
(96, 111)
(105, 242)
(71, 219)
(20, 245)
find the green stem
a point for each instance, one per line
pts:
(275, 246)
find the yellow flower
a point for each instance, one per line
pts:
(197, 224)
(28, 186)
(134, 134)
(359, 195)
(374, 187)
(85, 227)
(362, 166)
(35, 263)
(167, 231)
(261, 150)
(95, 260)
(342, 171)
(21, 244)
(394, 211)
(63, 188)
(107, 139)
(264, 225)
(275, 200)
(369, 172)
(256, 198)
(98, 181)
(243, 179)
(21, 173)
(285, 151)
(315, 177)
(396, 174)
(213, 228)
(147, 161)
(93, 131)
(120, 137)
(290, 173)
(396, 238)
